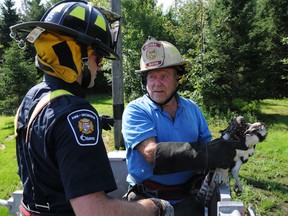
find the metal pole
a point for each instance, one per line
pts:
(117, 84)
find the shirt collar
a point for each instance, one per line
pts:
(57, 83)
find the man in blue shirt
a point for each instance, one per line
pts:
(166, 135)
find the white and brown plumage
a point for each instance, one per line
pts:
(249, 135)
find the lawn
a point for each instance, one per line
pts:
(264, 177)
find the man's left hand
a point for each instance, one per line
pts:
(107, 122)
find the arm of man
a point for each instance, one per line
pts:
(147, 149)
(170, 157)
(99, 204)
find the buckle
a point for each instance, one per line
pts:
(153, 192)
(46, 207)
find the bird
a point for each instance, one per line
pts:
(249, 135)
(254, 134)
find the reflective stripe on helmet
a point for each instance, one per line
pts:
(100, 21)
(78, 12)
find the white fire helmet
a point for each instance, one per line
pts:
(160, 54)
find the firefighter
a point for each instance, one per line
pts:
(166, 136)
(63, 164)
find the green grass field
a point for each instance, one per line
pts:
(264, 177)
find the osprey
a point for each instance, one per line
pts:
(249, 135)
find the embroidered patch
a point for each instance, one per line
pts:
(85, 126)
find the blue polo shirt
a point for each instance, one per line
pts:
(144, 119)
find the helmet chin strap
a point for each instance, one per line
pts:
(86, 76)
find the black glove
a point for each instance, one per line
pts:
(106, 122)
(220, 153)
(173, 157)
(165, 208)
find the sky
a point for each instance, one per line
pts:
(17, 3)
(166, 3)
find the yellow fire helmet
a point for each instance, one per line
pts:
(74, 28)
(160, 54)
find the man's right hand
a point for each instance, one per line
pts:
(165, 208)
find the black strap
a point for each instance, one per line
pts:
(39, 197)
(173, 192)
(163, 194)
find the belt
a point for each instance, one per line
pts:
(169, 192)
(163, 194)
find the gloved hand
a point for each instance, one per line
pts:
(106, 122)
(220, 153)
(166, 209)
(171, 157)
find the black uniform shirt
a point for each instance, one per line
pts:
(65, 156)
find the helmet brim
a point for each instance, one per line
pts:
(27, 27)
(185, 64)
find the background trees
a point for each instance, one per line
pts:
(8, 17)
(237, 48)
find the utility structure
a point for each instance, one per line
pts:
(117, 83)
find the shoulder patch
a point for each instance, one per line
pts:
(85, 126)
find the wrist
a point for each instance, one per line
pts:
(158, 205)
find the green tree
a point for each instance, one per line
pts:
(8, 17)
(270, 27)
(229, 53)
(33, 10)
(17, 76)
(140, 20)
(187, 29)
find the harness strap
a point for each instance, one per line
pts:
(42, 103)
(169, 192)
(39, 197)
(16, 122)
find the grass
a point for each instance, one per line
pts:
(264, 177)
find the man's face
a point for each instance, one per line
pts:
(161, 84)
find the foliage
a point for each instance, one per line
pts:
(8, 17)
(237, 48)
(244, 106)
(140, 20)
(32, 10)
(285, 41)
(227, 57)
(17, 76)
(187, 30)
(269, 27)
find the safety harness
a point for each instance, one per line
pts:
(39, 196)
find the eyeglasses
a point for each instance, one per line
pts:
(98, 59)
